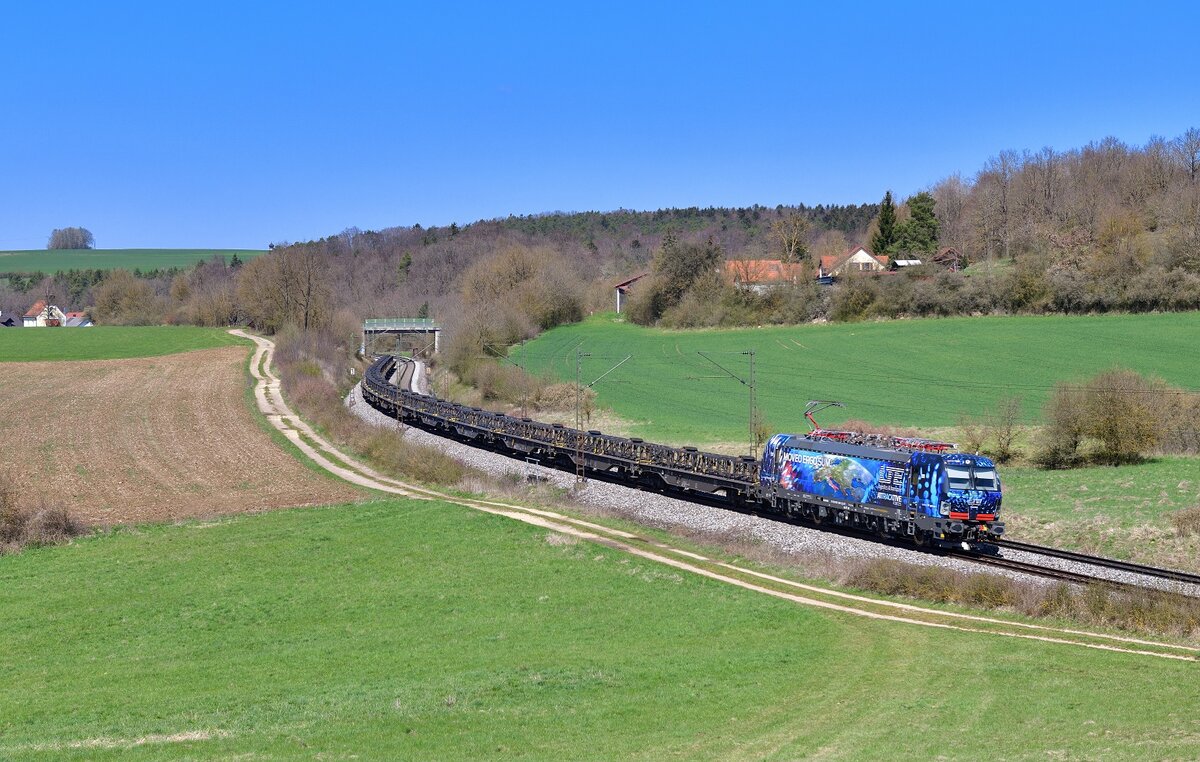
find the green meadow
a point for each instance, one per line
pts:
(422, 630)
(921, 374)
(910, 373)
(107, 342)
(51, 261)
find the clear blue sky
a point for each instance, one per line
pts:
(216, 124)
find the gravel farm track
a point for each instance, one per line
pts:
(148, 439)
(271, 403)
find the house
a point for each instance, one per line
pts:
(950, 258)
(857, 259)
(761, 275)
(6, 322)
(40, 315)
(78, 320)
(623, 289)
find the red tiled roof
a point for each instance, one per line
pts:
(75, 314)
(762, 271)
(36, 309)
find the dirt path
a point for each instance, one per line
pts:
(271, 403)
(148, 439)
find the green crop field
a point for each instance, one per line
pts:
(107, 342)
(912, 373)
(50, 261)
(419, 630)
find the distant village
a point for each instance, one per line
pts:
(762, 275)
(43, 315)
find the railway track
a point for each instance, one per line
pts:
(1047, 572)
(405, 371)
(1101, 561)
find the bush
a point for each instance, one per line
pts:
(122, 299)
(1066, 422)
(1121, 411)
(854, 298)
(1187, 521)
(26, 524)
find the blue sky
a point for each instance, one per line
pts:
(219, 124)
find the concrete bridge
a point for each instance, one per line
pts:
(399, 326)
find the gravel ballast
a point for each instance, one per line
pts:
(661, 511)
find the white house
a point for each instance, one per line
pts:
(857, 259)
(40, 315)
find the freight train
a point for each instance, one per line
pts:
(897, 487)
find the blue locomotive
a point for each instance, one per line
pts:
(893, 486)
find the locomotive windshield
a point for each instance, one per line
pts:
(985, 478)
(962, 477)
(959, 478)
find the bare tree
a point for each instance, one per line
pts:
(953, 195)
(71, 238)
(790, 232)
(1187, 150)
(996, 181)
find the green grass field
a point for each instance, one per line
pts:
(47, 261)
(912, 373)
(419, 630)
(107, 342)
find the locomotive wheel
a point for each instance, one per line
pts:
(920, 539)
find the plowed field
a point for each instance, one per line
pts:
(148, 439)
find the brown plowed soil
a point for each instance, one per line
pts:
(148, 439)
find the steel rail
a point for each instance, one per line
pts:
(1106, 563)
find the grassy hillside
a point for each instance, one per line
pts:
(423, 630)
(46, 261)
(106, 342)
(920, 373)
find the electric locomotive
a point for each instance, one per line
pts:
(893, 486)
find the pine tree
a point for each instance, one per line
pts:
(919, 233)
(883, 239)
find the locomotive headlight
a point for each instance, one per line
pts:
(944, 509)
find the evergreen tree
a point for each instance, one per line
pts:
(919, 233)
(883, 239)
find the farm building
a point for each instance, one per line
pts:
(950, 258)
(41, 315)
(6, 322)
(858, 259)
(78, 320)
(623, 289)
(761, 275)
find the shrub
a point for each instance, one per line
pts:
(1187, 521)
(1123, 412)
(33, 524)
(853, 299)
(1122, 415)
(122, 299)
